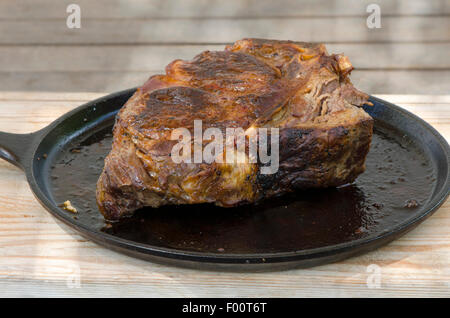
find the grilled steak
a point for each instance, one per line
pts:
(324, 135)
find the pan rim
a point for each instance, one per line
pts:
(389, 234)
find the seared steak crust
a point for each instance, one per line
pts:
(296, 87)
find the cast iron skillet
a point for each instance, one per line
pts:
(407, 179)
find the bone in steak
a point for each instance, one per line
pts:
(324, 134)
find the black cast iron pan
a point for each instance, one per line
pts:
(406, 180)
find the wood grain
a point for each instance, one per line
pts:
(151, 58)
(218, 31)
(370, 81)
(39, 256)
(121, 44)
(164, 9)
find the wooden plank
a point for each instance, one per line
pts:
(152, 58)
(162, 9)
(215, 31)
(370, 81)
(36, 115)
(50, 96)
(402, 82)
(72, 81)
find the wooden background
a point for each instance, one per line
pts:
(47, 69)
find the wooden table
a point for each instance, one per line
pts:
(47, 69)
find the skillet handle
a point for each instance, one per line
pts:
(15, 148)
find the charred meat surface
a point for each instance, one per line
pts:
(324, 134)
